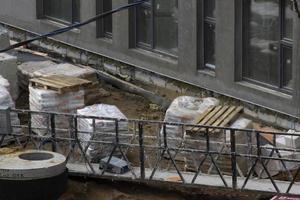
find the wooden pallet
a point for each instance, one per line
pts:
(216, 116)
(61, 84)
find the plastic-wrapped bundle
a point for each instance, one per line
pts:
(4, 82)
(185, 109)
(6, 101)
(105, 130)
(52, 101)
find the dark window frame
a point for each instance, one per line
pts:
(283, 43)
(103, 31)
(134, 38)
(202, 21)
(41, 14)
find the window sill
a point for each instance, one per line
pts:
(108, 40)
(207, 72)
(170, 59)
(57, 24)
(265, 90)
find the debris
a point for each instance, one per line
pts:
(153, 106)
(115, 165)
(105, 130)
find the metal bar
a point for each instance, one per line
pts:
(80, 146)
(142, 151)
(53, 132)
(293, 181)
(233, 160)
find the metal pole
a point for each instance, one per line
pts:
(233, 160)
(53, 133)
(142, 151)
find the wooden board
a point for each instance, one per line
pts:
(216, 116)
(60, 84)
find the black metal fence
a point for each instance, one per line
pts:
(152, 147)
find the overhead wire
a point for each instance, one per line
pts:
(73, 26)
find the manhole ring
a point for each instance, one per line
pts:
(36, 156)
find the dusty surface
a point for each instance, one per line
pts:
(107, 191)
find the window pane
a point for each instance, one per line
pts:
(144, 25)
(262, 41)
(209, 45)
(76, 11)
(209, 8)
(60, 9)
(65, 10)
(287, 67)
(107, 6)
(166, 26)
(288, 19)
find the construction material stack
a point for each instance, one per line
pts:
(7, 102)
(104, 130)
(92, 93)
(60, 94)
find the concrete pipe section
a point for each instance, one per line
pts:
(32, 175)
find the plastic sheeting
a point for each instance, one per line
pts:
(52, 101)
(105, 130)
(6, 101)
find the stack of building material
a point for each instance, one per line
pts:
(7, 102)
(55, 94)
(26, 71)
(104, 130)
(92, 93)
(275, 167)
(186, 109)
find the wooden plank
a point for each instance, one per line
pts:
(203, 115)
(207, 118)
(230, 117)
(60, 83)
(210, 115)
(217, 115)
(223, 117)
(200, 117)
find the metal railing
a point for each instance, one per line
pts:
(151, 148)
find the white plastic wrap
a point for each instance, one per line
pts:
(6, 101)
(186, 109)
(52, 101)
(105, 130)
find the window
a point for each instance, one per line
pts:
(209, 28)
(65, 11)
(268, 43)
(104, 25)
(157, 26)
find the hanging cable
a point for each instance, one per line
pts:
(73, 26)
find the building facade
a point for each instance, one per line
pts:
(245, 49)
